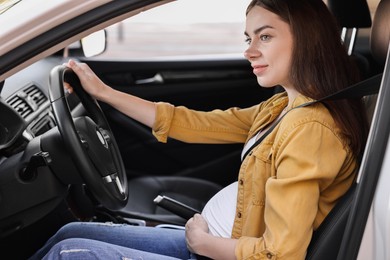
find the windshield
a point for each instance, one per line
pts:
(7, 4)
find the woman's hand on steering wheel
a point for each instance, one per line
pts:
(88, 79)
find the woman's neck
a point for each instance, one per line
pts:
(292, 94)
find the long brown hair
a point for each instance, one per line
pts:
(320, 64)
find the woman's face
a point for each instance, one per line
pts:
(270, 47)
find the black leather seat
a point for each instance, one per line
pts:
(190, 191)
(353, 15)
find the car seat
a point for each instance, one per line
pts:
(190, 191)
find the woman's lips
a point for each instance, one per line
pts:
(258, 69)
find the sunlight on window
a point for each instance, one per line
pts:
(187, 27)
(200, 11)
(184, 27)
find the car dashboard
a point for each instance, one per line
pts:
(25, 117)
(25, 110)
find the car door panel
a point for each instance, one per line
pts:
(202, 85)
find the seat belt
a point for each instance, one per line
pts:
(363, 88)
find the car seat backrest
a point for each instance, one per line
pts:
(380, 32)
(351, 15)
(379, 44)
(326, 240)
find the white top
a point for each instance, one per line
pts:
(220, 210)
(249, 145)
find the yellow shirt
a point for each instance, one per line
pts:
(287, 184)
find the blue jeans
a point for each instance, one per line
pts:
(85, 240)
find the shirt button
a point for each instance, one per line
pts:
(269, 255)
(241, 182)
(239, 214)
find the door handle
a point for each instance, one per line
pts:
(156, 79)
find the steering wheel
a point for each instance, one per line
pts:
(89, 141)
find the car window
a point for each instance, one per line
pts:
(186, 27)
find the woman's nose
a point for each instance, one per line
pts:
(251, 52)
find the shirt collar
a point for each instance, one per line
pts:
(301, 99)
(281, 103)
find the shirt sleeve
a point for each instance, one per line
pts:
(217, 126)
(310, 160)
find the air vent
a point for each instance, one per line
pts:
(27, 101)
(20, 105)
(36, 95)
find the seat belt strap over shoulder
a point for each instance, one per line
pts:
(366, 87)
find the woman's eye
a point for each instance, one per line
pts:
(248, 40)
(265, 37)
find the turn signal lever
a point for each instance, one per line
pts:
(37, 160)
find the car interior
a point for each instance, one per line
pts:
(188, 173)
(183, 189)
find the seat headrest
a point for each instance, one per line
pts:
(380, 32)
(351, 13)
